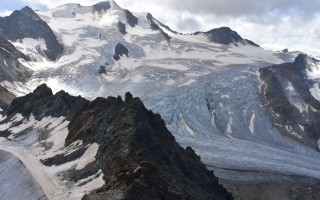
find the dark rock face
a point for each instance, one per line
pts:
(120, 50)
(25, 23)
(226, 36)
(279, 95)
(155, 27)
(102, 6)
(10, 69)
(139, 157)
(5, 97)
(131, 19)
(122, 28)
(10, 49)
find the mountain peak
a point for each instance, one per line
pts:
(225, 35)
(102, 6)
(25, 23)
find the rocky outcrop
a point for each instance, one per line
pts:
(120, 50)
(122, 28)
(6, 97)
(156, 27)
(290, 102)
(226, 36)
(131, 19)
(10, 68)
(101, 7)
(25, 23)
(138, 156)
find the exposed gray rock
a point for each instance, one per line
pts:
(5, 97)
(102, 6)
(10, 68)
(154, 26)
(286, 86)
(25, 23)
(122, 28)
(131, 19)
(226, 36)
(120, 50)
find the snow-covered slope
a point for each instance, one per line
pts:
(209, 94)
(51, 132)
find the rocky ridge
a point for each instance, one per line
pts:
(226, 36)
(290, 102)
(138, 156)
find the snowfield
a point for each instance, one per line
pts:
(33, 146)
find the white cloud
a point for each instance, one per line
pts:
(4, 13)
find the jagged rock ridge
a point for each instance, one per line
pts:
(139, 157)
(155, 26)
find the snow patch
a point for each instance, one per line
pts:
(290, 88)
(32, 47)
(294, 98)
(88, 156)
(5, 62)
(80, 190)
(187, 83)
(255, 53)
(31, 153)
(301, 127)
(170, 82)
(289, 129)
(251, 124)
(229, 128)
(137, 78)
(313, 70)
(315, 91)
(183, 126)
(17, 118)
(225, 97)
(213, 119)
(5, 50)
(70, 10)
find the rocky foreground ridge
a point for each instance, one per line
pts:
(138, 156)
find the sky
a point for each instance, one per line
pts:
(273, 24)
